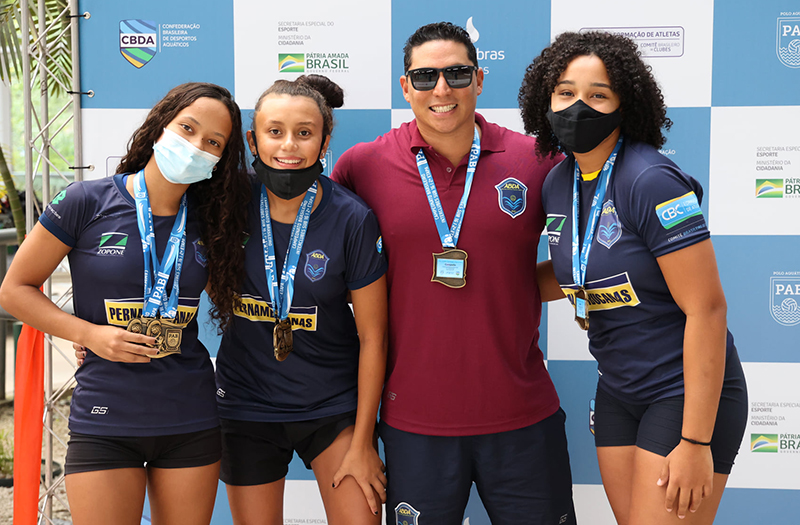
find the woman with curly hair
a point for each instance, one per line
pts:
(631, 250)
(142, 246)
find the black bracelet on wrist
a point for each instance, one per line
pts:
(695, 442)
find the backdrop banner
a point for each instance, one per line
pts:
(730, 73)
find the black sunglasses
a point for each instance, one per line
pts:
(426, 78)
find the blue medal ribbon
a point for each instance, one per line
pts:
(281, 295)
(156, 299)
(449, 235)
(579, 262)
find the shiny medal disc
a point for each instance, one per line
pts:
(450, 268)
(154, 329)
(282, 339)
(582, 309)
(172, 334)
(136, 326)
(167, 334)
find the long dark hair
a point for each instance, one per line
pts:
(219, 202)
(642, 107)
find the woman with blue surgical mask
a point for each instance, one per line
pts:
(631, 250)
(142, 246)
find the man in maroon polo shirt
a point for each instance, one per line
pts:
(467, 397)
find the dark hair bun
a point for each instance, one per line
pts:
(330, 90)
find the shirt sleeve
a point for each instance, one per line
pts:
(341, 171)
(666, 206)
(366, 261)
(64, 215)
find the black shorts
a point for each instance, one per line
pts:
(258, 452)
(656, 427)
(87, 453)
(522, 475)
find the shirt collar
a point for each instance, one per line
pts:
(491, 138)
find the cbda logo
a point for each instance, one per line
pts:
(137, 41)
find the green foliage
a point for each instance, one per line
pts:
(58, 72)
(6, 455)
(59, 62)
(10, 54)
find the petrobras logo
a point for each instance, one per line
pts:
(405, 514)
(554, 225)
(291, 62)
(788, 40)
(764, 443)
(112, 244)
(784, 292)
(606, 294)
(138, 41)
(769, 188)
(511, 197)
(484, 55)
(675, 211)
(255, 308)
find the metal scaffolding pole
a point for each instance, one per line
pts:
(40, 130)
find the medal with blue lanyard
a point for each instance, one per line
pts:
(580, 254)
(450, 266)
(159, 309)
(281, 294)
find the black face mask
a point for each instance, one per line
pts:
(580, 128)
(286, 183)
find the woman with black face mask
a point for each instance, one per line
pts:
(297, 371)
(630, 249)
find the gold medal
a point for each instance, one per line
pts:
(582, 308)
(136, 326)
(450, 268)
(171, 337)
(282, 339)
(167, 334)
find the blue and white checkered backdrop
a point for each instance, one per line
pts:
(730, 72)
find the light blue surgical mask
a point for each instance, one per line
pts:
(180, 162)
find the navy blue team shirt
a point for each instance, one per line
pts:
(342, 251)
(170, 395)
(636, 329)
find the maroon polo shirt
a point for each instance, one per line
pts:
(461, 361)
